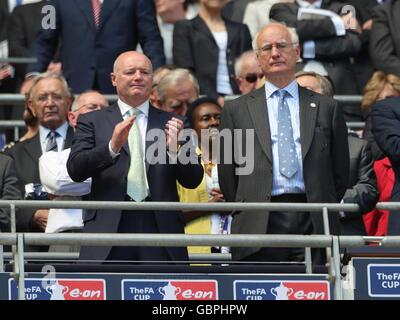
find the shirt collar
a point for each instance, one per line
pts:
(292, 88)
(124, 108)
(306, 4)
(61, 130)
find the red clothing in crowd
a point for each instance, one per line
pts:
(376, 221)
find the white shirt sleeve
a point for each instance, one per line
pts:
(54, 175)
(309, 49)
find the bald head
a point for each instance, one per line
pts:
(132, 77)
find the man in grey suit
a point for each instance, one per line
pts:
(300, 150)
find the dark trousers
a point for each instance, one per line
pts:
(138, 222)
(287, 223)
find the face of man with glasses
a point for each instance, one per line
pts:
(276, 53)
(178, 98)
(87, 102)
(250, 74)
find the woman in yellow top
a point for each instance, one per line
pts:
(204, 117)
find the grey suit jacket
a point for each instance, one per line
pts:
(325, 159)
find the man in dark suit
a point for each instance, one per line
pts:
(300, 147)
(327, 44)
(385, 115)
(118, 158)
(9, 189)
(385, 37)
(49, 100)
(90, 45)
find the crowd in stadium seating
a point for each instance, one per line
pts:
(177, 63)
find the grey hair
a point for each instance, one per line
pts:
(239, 61)
(50, 75)
(294, 38)
(324, 82)
(174, 78)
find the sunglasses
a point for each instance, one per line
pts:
(253, 77)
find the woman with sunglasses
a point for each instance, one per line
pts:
(208, 45)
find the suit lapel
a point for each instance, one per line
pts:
(86, 7)
(232, 30)
(257, 106)
(153, 122)
(200, 25)
(309, 105)
(107, 9)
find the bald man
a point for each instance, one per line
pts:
(110, 146)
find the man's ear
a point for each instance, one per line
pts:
(112, 76)
(71, 117)
(29, 105)
(238, 81)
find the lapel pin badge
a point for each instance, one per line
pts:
(312, 105)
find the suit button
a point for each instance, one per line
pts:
(230, 62)
(228, 50)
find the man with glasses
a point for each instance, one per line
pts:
(300, 145)
(248, 72)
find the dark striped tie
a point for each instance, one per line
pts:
(52, 141)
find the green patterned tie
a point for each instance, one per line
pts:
(137, 189)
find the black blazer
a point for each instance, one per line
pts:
(9, 189)
(194, 48)
(26, 156)
(385, 37)
(325, 160)
(362, 187)
(90, 157)
(385, 115)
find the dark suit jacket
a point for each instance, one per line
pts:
(234, 10)
(194, 48)
(9, 189)
(88, 52)
(332, 51)
(362, 187)
(385, 115)
(324, 150)
(385, 38)
(4, 14)
(23, 25)
(26, 156)
(90, 157)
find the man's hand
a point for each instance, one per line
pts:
(5, 72)
(170, 11)
(367, 25)
(40, 218)
(216, 195)
(121, 133)
(351, 23)
(172, 129)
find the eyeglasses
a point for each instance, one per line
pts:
(253, 77)
(280, 46)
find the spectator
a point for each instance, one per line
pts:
(84, 103)
(168, 13)
(177, 90)
(159, 73)
(328, 42)
(362, 188)
(384, 40)
(256, 14)
(49, 101)
(24, 23)
(248, 72)
(208, 45)
(93, 34)
(379, 87)
(56, 181)
(117, 155)
(385, 116)
(284, 117)
(9, 189)
(204, 117)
